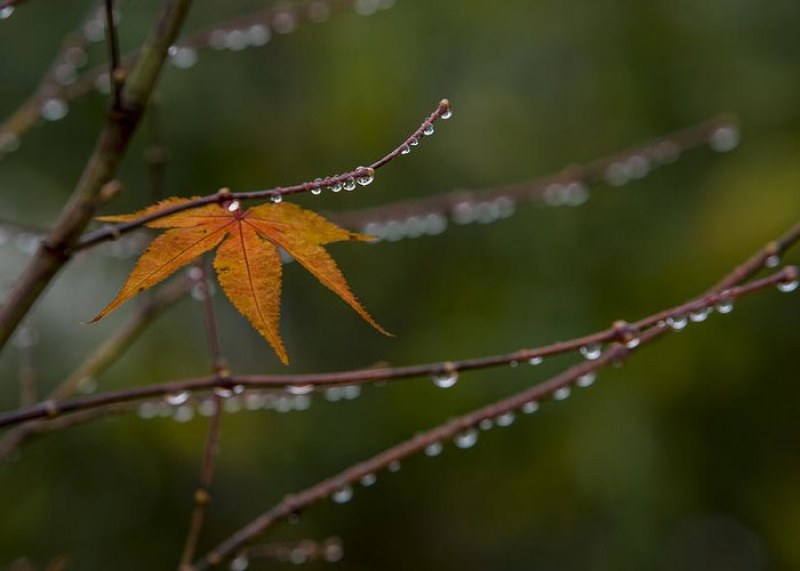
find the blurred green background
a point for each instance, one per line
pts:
(686, 458)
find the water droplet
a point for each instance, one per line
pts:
(284, 22)
(367, 176)
(587, 379)
(232, 405)
(787, 286)
(592, 352)
(535, 361)
(332, 550)
(617, 174)
(335, 187)
(772, 261)
(466, 439)
(666, 152)
(427, 130)
(316, 191)
(394, 466)
(298, 556)
(505, 419)
(258, 35)
(413, 141)
(301, 402)
(368, 480)
(405, 150)
(342, 495)
(699, 315)
(299, 389)
(447, 114)
(633, 342)
(724, 139)
(562, 393)
(486, 424)
(276, 198)
(207, 407)
(65, 74)
(234, 206)
(183, 413)
(513, 364)
(724, 305)
(530, 407)
(239, 389)
(351, 392)
(239, 563)
(349, 184)
(177, 398)
(182, 57)
(54, 109)
(445, 379)
(223, 392)
(147, 410)
(677, 322)
(434, 449)
(6, 12)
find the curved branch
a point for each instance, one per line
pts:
(366, 173)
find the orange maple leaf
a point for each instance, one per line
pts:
(248, 263)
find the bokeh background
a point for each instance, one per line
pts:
(685, 458)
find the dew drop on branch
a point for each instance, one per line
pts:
(349, 184)
(562, 394)
(787, 286)
(178, 398)
(505, 419)
(434, 449)
(276, 198)
(447, 114)
(428, 129)
(183, 413)
(466, 439)
(446, 379)
(299, 389)
(772, 261)
(6, 13)
(535, 361)
(284, 22)
(394, 466)
(239, 563)
(586, 380)
(182, 57)
(724, 305)
(342, 495)
(677, 322)
(405, 150)
(54, 109)
(258, 35)
(368, 480)
(486, 424)
(699, 315)
(530, 407)
(724, 139)
(592, 351)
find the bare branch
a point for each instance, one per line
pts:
(359, 175)
(100, 170)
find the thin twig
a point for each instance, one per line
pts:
(619, 331)
(565, 187)
(99, 171)
(367, 173)
(202, 494)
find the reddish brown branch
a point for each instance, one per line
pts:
(620, 331)
(362, 174)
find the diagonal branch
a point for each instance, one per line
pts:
(463, 428)
(101, 168)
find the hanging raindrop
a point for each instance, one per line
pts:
(677, 322)
(276, 198)
(506, 419)
(466, 439)
(530, 407)
(175, 399)
(787, 286)
(562, 393)
(342, 495)
(587, 379)
(724, 305)
(445, 379)
(349, 184)
(368, 480)
(592, 352)
(434, 449)
(427, 130)
(535, 361)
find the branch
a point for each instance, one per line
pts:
(335, 183)
(103, 357)
(202, 494)
(463, 429)
(590, 345)
(249, 30)
(566, 187)
(99, 171)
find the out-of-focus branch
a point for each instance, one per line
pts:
(98, 173)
